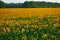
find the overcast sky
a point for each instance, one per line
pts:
(22, 1)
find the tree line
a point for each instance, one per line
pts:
(30, 4)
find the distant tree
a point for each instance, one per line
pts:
(2, 4)
(14, 5)
(30, 4)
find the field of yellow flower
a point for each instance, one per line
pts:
(30, 24)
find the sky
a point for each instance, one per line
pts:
(22, 1)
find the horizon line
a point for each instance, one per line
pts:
(30, 1)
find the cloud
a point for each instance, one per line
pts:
(21, 1)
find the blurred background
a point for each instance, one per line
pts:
(29, 3)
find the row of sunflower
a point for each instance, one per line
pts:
(30, 28)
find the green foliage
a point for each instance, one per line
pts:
(42, 4)
(30, 4)
(2, 4)
(35, 29)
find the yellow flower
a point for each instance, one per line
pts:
(27, 26)
(34, 26)
(17, 30)
(16, 38)
(52, 36)
(13, 31)
(8, 29)
(4, 30)
(46, 25)
(24, 38)
(59, 31)
(23, 30)
(27, 30)
(7, 23)
(27, 22)
(34, 39)
(40, 28)
(56, 25)
(44, 35)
